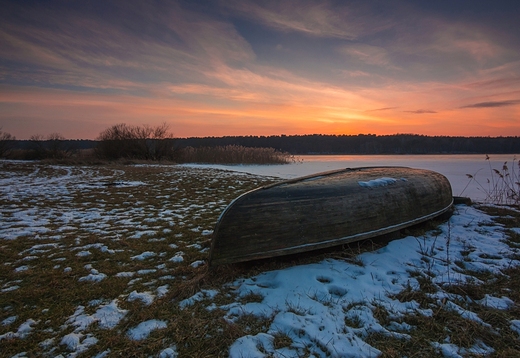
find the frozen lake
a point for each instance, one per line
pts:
(454, 167)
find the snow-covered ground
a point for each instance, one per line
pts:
(311, 304)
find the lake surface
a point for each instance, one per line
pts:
(455, 167)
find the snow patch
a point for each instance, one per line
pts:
(143, 330)
(145, 297)
(378, 182)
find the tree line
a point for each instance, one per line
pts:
(116, 142)
(128, 142)
(366, 144)
(158, 143)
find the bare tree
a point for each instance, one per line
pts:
(6, 143)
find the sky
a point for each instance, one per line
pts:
(218, 68)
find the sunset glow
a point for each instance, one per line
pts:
(216, 68)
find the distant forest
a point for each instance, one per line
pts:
(366, 144)
(344, 144)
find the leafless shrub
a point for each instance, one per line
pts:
(136, 142)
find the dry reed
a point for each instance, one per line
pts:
(502, 187)
(235, 154)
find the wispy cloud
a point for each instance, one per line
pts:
(66, 47)
(314, 18)
(421, 111)
(381, 109)
(493, 104)
(369, 54)
(494, 83)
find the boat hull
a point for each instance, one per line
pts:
(327, 209)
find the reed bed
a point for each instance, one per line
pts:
(235, 154)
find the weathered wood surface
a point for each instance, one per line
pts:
(325, 210)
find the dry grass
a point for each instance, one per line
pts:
(234, 154)
(174, 208)
(501, 186)
(108, 153)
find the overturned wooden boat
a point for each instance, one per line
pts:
(327, 209)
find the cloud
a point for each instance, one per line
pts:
(82, 48)
(380, 109)
(373, 55)
(314, 18)
(493, 104)
(421, 111)
(496, 83)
